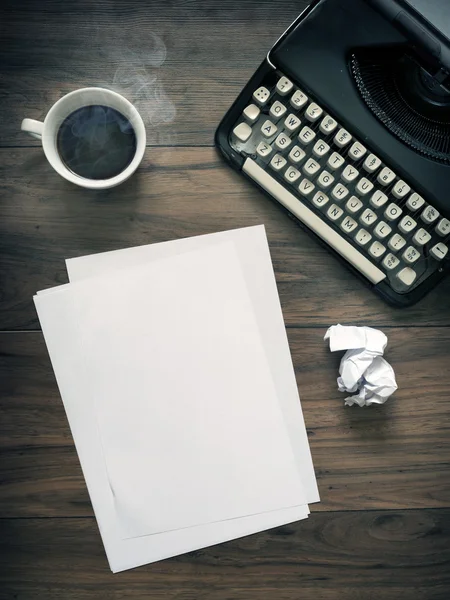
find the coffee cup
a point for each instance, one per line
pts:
(92, 137)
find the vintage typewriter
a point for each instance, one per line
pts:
(347, 125)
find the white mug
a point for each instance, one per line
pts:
(47, 131)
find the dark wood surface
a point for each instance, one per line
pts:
(382, 529)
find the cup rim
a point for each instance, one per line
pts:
(59, 166)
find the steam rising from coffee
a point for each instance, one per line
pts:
(138, 78)
(97, 142)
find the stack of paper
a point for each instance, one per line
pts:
(174, 369)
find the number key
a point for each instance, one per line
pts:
(284, 86)
(328, 125)
(386, 176)
(342, 138)
(415, 202)
(372, 163)
(299, 99)
(313, 112)
(357, 151)
(401, 189)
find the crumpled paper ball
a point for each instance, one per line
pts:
(363, 368)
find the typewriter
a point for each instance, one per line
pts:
(346, 124)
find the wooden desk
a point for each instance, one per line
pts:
(383, 528)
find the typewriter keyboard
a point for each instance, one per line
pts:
(337, 187)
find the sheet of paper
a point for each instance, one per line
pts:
(61, 336)
(253, 251)
(132, 552)
(252, 247)
(187, 410)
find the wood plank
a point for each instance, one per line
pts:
(177, 192)
(353, 555)
(395, 456)
(181, 63)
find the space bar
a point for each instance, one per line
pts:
(309, 218)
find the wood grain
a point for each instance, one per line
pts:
(396, 456)
(382, 530)
(194, 55)
(177, 192)
(359, 555)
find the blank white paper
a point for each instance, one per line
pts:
(187, 410)
(254, 255)
(61, 336)
(188, 414)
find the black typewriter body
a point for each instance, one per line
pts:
(354, 65)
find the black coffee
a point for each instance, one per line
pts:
(96, 142)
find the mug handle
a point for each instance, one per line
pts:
(33, 127)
